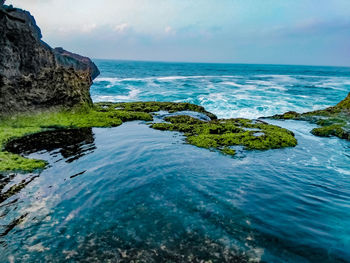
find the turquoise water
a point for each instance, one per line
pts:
(131, 192)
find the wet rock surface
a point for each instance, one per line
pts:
(333, 121)
(33, 75)
(68, 144)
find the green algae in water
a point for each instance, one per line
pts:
(153, 106)
(217, 134)
(100, 115)
(24, 124)
(14, 162)
(223, 133)
(334, 121)
(332, 130)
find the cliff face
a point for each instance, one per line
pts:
(33, 75)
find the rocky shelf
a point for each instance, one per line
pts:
(333, 121)
(213, 133)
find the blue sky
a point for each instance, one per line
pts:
(309, 32)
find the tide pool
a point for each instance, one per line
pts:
(135, 193)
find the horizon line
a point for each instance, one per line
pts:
(227, 63)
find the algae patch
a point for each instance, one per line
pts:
(215, 134)
(100, 115)
(17, 126)
(334, 121)
(223, 133)
(152, 106)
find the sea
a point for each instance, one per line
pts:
(135, 194)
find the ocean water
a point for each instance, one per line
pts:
(228, 90)
(134, 193)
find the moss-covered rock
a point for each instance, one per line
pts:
(23, 124)
(334, 121)
(216, 134)
(223, 133)
(100, 115)
(153, 106)
(15, 162)
(286, 116)
(332, 130)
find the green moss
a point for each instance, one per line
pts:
(331, 130)
(12, 162)
(153, 106)
(220, 134)
(331, 121)
(286, 116)
(216, 134)
(344, 104)
(17, 126)
(335, 121)
(228, 151)
(183, 119)
(69, 119)
(104, 114)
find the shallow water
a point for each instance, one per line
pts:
(132, 192)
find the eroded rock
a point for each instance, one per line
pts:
(33, 75)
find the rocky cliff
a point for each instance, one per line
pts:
(33, 75)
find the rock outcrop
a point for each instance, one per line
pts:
(333, 121)
(34, 76)
(78, 62)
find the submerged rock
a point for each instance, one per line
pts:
(334, 121)
(33, 75)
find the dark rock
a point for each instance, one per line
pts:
(69, 59)
(333, 121)
(33, 75)
(70, 143)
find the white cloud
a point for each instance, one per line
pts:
(87, 28)
(121, 28)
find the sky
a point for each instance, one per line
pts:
(303, 32)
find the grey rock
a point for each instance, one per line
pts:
(78, 62)
(34, 76)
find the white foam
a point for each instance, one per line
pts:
(105, 98)
(195, 77)
(234, 84)
(342, 171)
(161, 78)
(111, 80)
(172, 78)
(131, 95)
(37, 248)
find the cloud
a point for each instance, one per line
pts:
(121, 28)
(303, 32)
(87, 28)
(309, 28)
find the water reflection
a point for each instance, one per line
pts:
(67, 144)
(70, 143)
(145, 196)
